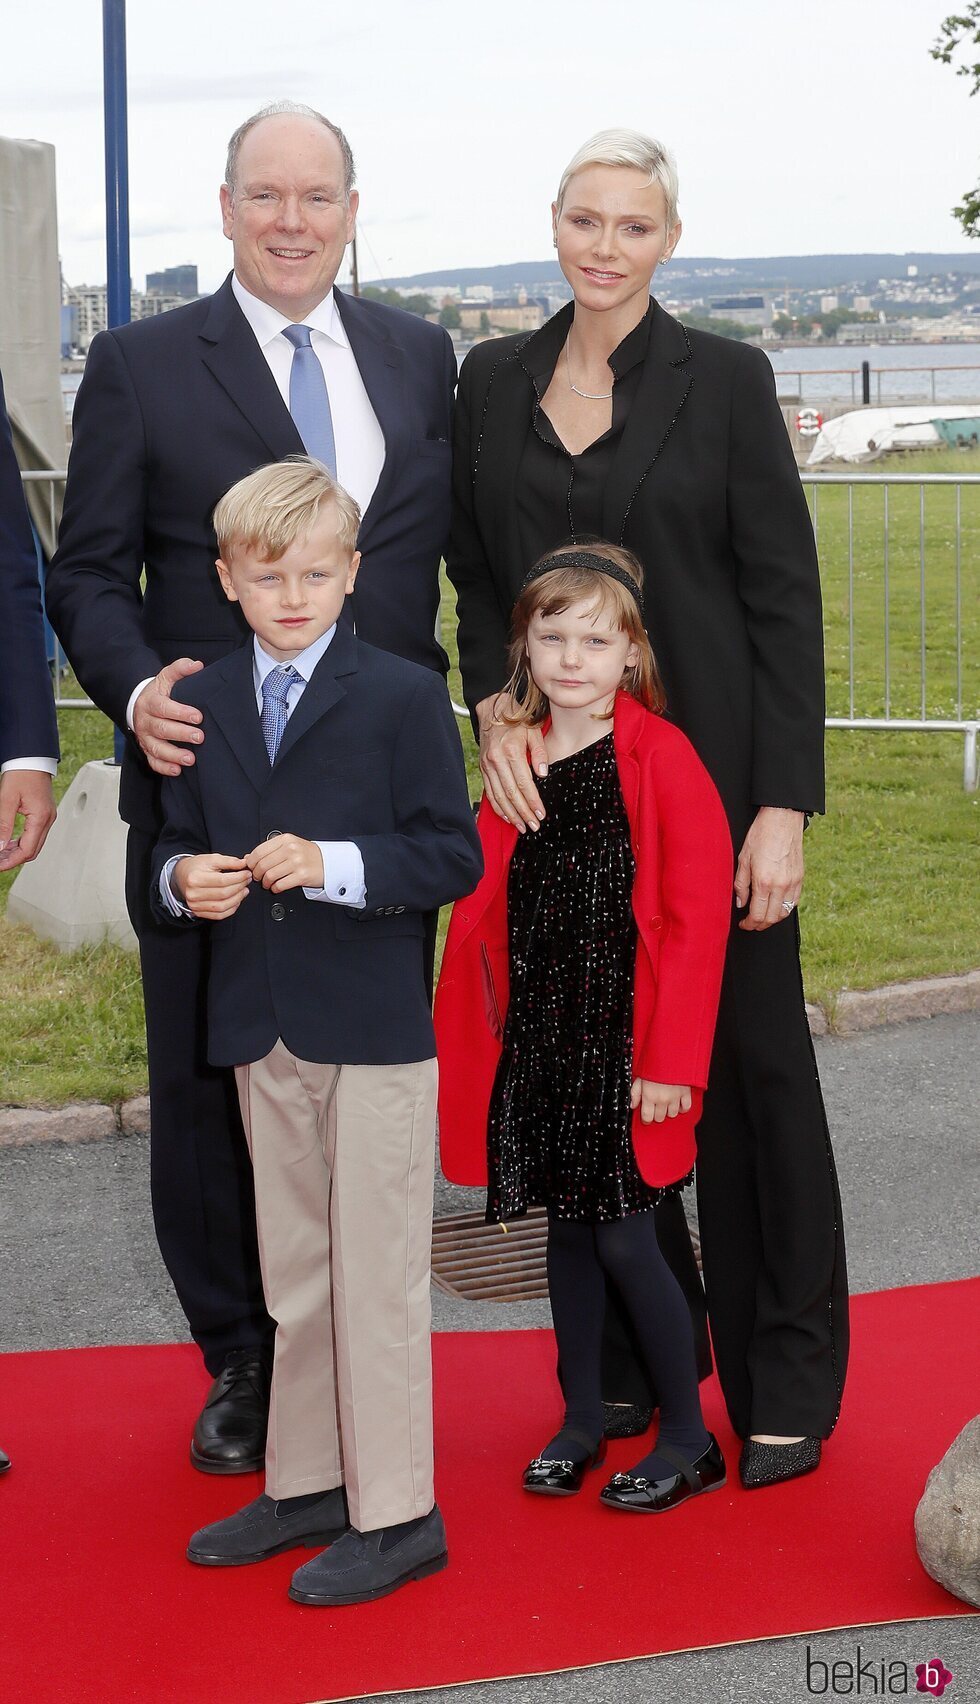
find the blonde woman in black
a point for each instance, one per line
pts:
(613, 420)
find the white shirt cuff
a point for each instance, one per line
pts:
(44, 765)
(131, 706)
(175, 906)
(343, 875)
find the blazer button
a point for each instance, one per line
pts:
(656, 922)
(278, 911)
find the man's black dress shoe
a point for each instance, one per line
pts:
(259, 1530)
(561, 1478)
(357, 1570)
(625, 1419)
(230, 1433)
(4, 1461)
(770, 1464)
(654, 1496)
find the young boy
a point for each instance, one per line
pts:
(325, 814)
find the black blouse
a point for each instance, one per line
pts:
(559, 496)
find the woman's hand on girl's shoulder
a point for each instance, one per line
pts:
(658, 1101)
(505, 751)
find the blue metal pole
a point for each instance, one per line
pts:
(118, 298)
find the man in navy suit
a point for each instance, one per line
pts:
(28, 728)
(171, 412)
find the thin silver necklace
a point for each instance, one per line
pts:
(590, 396)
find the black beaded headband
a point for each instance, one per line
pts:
(583, 559)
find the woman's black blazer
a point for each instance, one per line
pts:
(705, 490)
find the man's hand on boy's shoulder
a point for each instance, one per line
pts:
(286, 862)
(211, 884)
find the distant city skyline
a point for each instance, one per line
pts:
(795, 133)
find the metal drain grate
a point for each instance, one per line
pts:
(490, 1263)
(496, 1263)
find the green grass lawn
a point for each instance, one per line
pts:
(892, 868)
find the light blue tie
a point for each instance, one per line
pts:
(309, 403)
(275, 690)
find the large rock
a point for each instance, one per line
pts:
(947, 1521)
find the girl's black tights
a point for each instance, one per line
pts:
(580, 1257)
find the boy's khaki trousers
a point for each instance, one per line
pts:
(344, 1157)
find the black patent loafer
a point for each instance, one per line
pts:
(625, 1419)
(770, 1464)
(654, 1496)
(4, 1462)
(231, 1428)
(259, 1531)
(357, 1570)
(561, 1478)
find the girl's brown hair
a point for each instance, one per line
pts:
(551, 593)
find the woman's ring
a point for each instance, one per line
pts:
(787, 905)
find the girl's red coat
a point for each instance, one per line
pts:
(682, 904)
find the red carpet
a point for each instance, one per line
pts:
(97, 1602)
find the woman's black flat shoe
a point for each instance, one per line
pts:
(653, 1496)
(561, 1478)
(625, 1419)
(770, 1464)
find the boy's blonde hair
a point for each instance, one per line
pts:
(553, 592)
(273, 507)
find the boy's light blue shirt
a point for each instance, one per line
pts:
(343, 866)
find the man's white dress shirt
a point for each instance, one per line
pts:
(343, 866)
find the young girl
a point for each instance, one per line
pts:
(577, 1002)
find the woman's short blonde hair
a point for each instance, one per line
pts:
(273, 507)
(553, 592)
(627, 148)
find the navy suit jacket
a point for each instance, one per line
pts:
(169, 414)
(372, 754)
(28, 727)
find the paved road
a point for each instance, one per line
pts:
(79, 1265)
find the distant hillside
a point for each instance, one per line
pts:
(801, 271)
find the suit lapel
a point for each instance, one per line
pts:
(510, 399)
(664, 385)
(381, 365)
(234, 709)
(230, 351)
(325, 689)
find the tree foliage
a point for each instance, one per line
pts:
(417, 304)
(962, 29)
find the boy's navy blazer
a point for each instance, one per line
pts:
(170, 413)
(371, 753)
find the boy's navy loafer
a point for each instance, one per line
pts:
(257, 1531)
(653, 1496)
(357, 1570)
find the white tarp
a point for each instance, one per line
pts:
(864, 434)
(30, 317)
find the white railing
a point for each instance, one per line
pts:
(878, 577)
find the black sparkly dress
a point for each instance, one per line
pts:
(559, 1121)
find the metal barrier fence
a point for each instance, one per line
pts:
(896, 645)
(888, 384)
(899, 653)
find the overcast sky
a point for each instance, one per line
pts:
(798, 128)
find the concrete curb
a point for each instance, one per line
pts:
(80, 1121)
(850, 1014)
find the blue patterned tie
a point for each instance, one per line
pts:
(275, 689)
(309, 403)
